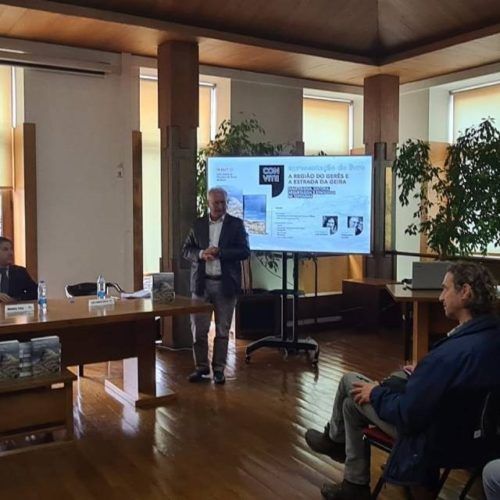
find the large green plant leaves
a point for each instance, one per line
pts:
(465, 218)
(232, 139)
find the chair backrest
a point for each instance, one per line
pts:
(489, 424)
(471, 437)
(88, 288)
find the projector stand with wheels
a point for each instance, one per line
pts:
(294, 344)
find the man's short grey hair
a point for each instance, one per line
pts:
(217, 190)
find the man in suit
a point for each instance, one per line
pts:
(15, 282)
(215, 246)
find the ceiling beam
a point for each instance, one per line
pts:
(186, 32)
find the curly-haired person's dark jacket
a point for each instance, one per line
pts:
(437, 415)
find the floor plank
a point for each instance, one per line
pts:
(243, 440)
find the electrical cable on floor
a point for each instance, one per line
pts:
(175, 349)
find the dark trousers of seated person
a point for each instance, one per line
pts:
(346, 426)
(200, 326)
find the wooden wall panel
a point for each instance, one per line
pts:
(25, 198)
(137, 208)
(331, 272)
(7, 214)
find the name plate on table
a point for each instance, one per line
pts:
(95, 303)
(11, 309)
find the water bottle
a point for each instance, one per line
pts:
(42, 296)
(101, 287)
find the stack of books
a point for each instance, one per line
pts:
(163, 287)
(45, 355)
(41, 356)
(9, 359)
(25, 368)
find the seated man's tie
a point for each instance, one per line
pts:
(4, 283)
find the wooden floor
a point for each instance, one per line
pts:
(242, 440)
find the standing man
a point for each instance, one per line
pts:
(433, 417)
(215, 246)
(15, 282)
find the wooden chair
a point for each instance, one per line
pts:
(88, 288)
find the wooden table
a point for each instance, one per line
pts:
(366, 300)
(125, 331)
(427, 313)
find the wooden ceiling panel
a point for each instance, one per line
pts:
(9, 17)
(129, 35)
(405, 24)
(282, 63)
(342, 25)
(81, 32)
(448, 60)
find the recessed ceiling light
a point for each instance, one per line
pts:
(13, 51)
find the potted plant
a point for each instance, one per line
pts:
(458, 205)
(235, 139)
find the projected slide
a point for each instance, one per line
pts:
(299, 203)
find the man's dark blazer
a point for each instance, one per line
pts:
(233, 248)
(21, 286)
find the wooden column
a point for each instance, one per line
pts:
(137, 208)
(178, 97)
(381, 132)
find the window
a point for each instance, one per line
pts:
(207, 125)
(6, 150)
(327, 125)
(469, 107)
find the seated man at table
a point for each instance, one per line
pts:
(430, 405)
(15, 282)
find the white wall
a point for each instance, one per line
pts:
(84, 174)
(357, 102)
(413, 124)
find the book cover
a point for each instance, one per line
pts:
(45, 355)
(25, 359)
(163, 287)
(9, 359)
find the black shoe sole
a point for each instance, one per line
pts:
(337, 456)
(205, 377)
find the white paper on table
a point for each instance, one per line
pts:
(140, 294)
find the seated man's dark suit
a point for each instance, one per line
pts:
(21, 286)
(436, 415)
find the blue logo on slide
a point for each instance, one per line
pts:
(273, 175)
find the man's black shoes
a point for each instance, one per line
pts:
(203, 375)
(199, 375)
(321, 442)
(219, 378)
(345, 491)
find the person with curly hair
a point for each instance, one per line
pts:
(432, 416)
